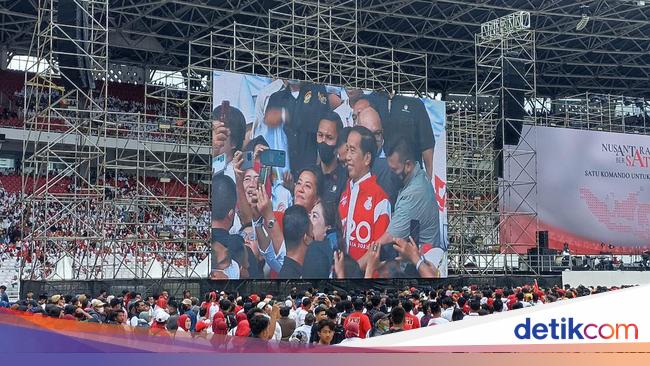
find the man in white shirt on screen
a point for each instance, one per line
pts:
(274, 135)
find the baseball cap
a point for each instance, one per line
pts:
(254, 298)
(55, 298)
(161, 316)
(186, 302)
(378, 316)
(96, 303)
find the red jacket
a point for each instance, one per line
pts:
(368, 218)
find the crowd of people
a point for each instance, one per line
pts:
(125, 232)
(126, 115)
(353, 197)
(315, 316)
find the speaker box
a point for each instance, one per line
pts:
(73, 63)
(508, 131)
(542, 239)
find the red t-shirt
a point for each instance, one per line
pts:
(411, 321)
(362, 320)
(370, 216)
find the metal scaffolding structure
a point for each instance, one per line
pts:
(101, 183)
(65, 122)
(313, 41)
(490, 209)
(133, 186)
(597, 111)
(108, 192)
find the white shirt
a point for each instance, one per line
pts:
(306, 329)
(275, 136)
(447, 313)
(346, 340)
(214, 309)
(236, 89)
(262, 101)
(133, 321)
(437, 321)
(300, 317)
(273, 259)
(345, 112)
(280, 197)
(277, 334)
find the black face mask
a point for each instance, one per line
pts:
(326, 152)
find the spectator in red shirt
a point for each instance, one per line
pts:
(410, 321)
(358, 317)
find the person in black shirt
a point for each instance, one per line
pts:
(397, 317)
(300, 107)
(406, 117)
(334, 174)
(223, 215)
(295, 225)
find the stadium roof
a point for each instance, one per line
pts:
(611, 54)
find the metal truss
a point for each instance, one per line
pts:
(600, 112)
(308, 41)
(107, 193)
(608, 55)
(63, 121)
(490, 211)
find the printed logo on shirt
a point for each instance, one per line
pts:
(322, 98)
(405, 108)
(307, 97)
(360, 232)
(368, 204)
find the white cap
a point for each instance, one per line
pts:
(161, 316)
(288, 303)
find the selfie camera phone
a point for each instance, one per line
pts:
(219, 164)
(248, 161)
(276, 158)
(264, 174)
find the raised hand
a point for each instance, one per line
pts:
(339, 266)
(264, 205)
(407, 250)
(220, 134)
